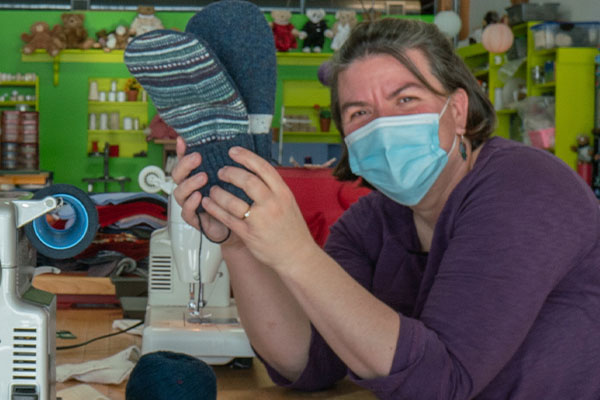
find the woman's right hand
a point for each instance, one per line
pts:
(188, 196)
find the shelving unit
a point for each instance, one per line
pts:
(31, 87)
(130, 141)
(299, 98)
(572, 87)
(484, 66)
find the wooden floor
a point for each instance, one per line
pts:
(252, 383)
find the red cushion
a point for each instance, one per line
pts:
(321, 198)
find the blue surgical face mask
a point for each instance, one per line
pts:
(400, 156)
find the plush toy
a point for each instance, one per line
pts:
(145, 21)
(41, 37)
(284, 32)
(74, 34)
(314, 31)
(101, 39)
(118, 39)
(160, 130)
(346, 20)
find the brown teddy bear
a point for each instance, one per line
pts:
(101, 39)
(41, 37)
(75, 35)
(145, 21)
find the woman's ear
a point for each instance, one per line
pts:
(459, 106)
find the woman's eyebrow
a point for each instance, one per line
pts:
(402, 88)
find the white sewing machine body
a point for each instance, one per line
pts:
(180, 258)
(28, 328)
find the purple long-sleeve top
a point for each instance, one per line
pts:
(506, 304)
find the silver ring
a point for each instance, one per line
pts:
(246, 214)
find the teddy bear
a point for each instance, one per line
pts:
(101, 40)
(118, 39)
(314, 31)
(160, 130)
(284, 32)
(345, 21)
(41, 37)
(74, 34)
(145, 21)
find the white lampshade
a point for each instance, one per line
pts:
(448, 22)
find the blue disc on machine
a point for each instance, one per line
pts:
(79, 230)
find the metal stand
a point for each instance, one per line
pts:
(106, 179)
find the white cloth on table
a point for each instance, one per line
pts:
(114, 369)
(80, 392)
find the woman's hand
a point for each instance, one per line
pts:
(188, 197)
(273, 228)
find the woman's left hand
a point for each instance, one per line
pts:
(274, 229)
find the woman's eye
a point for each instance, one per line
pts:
(357, 114)
(405, 99)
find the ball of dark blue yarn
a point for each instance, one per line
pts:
(167, 375)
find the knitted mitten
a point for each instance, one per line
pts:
(194, 95)
(240, 36)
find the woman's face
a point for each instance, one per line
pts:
(380, 86)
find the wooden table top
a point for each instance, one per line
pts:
(232, 384)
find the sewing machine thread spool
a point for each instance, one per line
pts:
(79, 231)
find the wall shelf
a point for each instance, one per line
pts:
(302, 59)
(131, 142)
(73, 56)
(35, 88)
(116, 56)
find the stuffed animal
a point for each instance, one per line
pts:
(41, 37)
(160, 130)
(74, 34)
(314, 31)
(145, 21)
(346, 20)
(284, 32)
(118, 39)
(101, 39)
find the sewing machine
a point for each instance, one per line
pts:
(28, 315)
(28, 329)
(190, 309)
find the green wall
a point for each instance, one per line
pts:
(63, 108)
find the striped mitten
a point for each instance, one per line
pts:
(194, 95)
(240, 36)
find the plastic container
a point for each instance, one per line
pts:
(532, 12)
(549, 35)
(542, 138)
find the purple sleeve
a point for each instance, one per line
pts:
(324, 367)
(504, 240)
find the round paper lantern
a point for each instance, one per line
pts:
(448, 22)
(323, 73)
(497, 38)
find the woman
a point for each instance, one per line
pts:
(471, 271)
